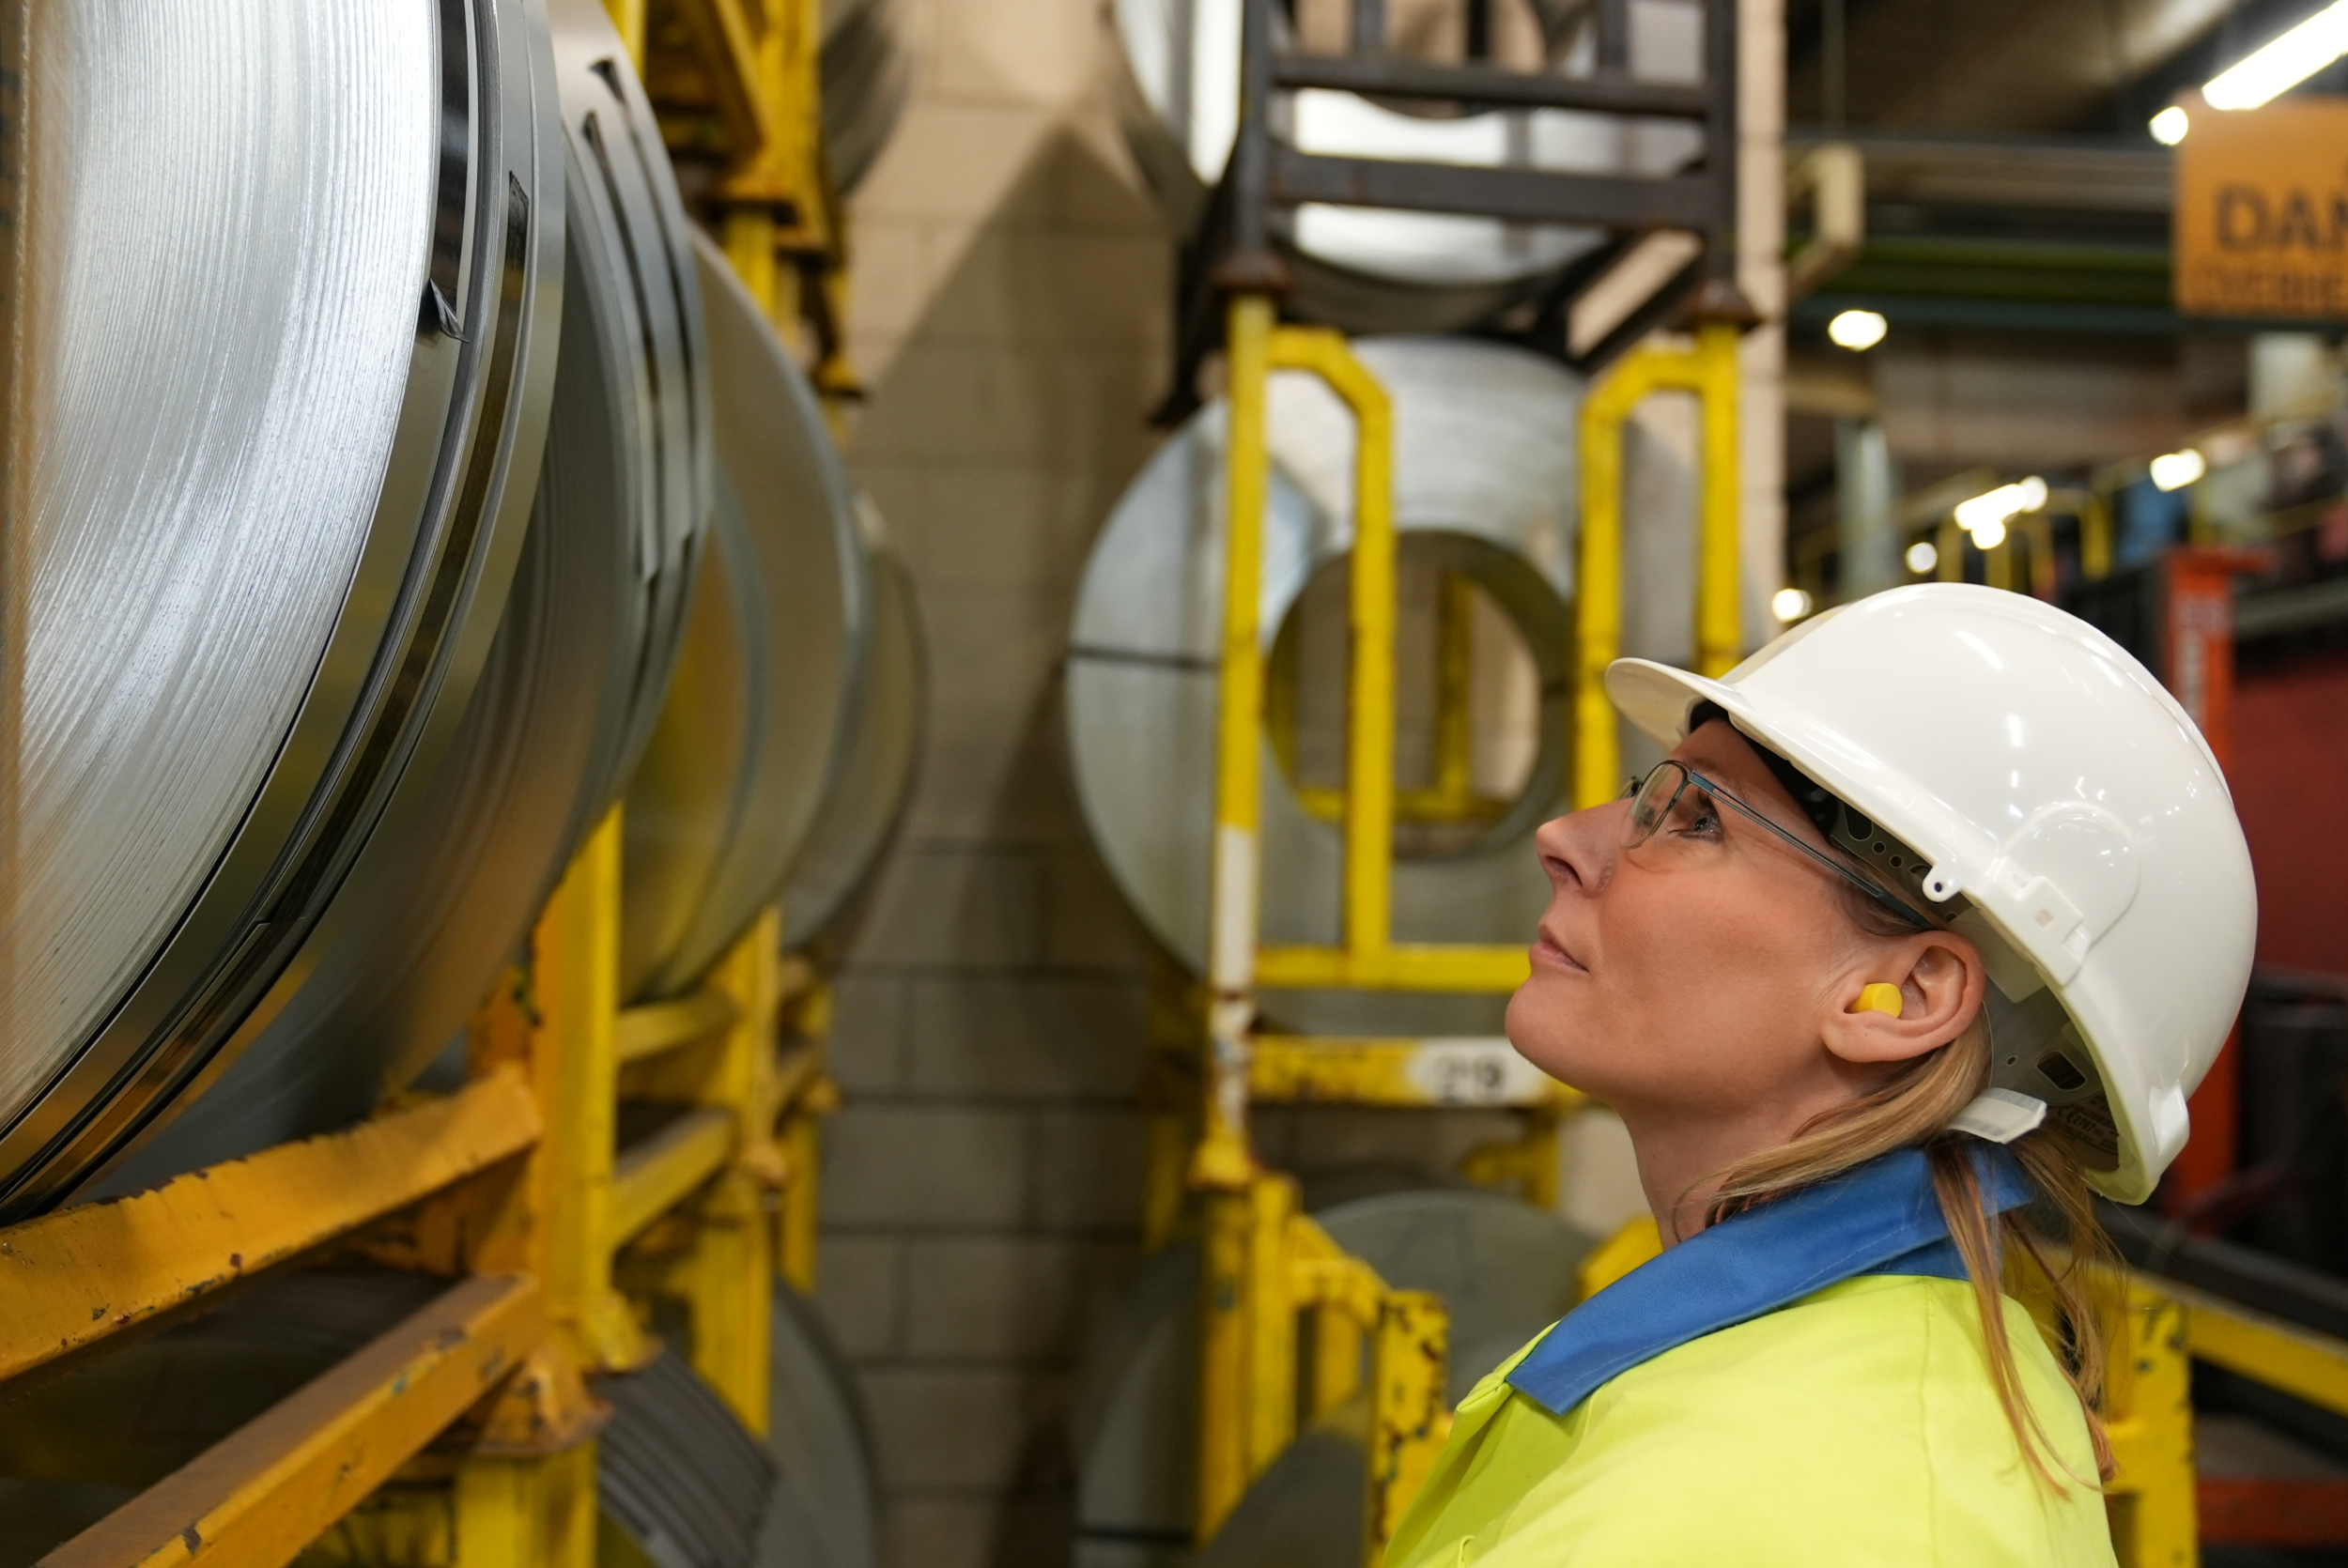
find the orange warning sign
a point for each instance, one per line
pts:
(2261, 212)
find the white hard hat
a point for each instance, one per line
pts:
(2070, 819)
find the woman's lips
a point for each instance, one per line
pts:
(1547, 950)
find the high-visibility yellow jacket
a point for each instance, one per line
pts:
(1735, 1410)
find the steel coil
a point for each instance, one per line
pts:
(874, 779)
(285, 359)
(821, 1440)
(1382, 270)
(1484, 484)
(776, 658)
(446, 890)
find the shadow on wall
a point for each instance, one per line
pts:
(989, 1152)
(997, 440)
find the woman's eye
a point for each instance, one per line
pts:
(1701, 819)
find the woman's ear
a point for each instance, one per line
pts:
(1940, 980)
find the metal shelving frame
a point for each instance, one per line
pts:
(512, 1186)
(1267, 1267)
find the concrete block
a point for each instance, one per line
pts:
(1028, 1038)
(1037, 51)
(942, 1531)
(1033, 401)
(857, 1291)
(923, 1165)
(1002, 526)
(1084, 1169)
(952, 161)
(947, 904)
(1087, 923)
(896, 273)
(991, 778)
(867, 1046)
(949, 1426)
(1016, 286)
(998, 1298)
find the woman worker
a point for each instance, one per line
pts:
(1938, 906)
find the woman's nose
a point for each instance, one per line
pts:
(1581, 846)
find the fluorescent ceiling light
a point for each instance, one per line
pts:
(2176, 470)
(2283, 64)
(1790, 604)
(1922, 555)
(1862, 330)
(2169, 125)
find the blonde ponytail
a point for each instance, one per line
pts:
(2077, 1275)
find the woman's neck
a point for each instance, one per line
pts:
(1681, 1154)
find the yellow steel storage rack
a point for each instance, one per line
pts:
(477, 1405)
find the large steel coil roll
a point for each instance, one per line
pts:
(1484, 485)
(867, 67)
(1378, 270)
(775, 661)
(1505, 1271)
(874, 776)
(444, 893)
(282, 381)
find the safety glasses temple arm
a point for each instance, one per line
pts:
(1878, 894)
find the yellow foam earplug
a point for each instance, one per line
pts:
(1880, 998)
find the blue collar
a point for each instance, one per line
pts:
(1880, 1218)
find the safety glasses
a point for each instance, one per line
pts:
(1655, 797)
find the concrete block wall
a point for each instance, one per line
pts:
(981, 1185)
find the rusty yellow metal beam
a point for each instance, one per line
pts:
(1709, 370)
(661, 1172)
(1409, 1414)
(72, 1278)
(1466, 1070)
(2300, 1362)
(2148, 1417)
(660, 1026)
(730, 48)
(259, 1496)
(1402, 966)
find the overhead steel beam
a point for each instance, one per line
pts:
(1493, 87)
(1616, 200)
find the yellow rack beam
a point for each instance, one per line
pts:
(648, 1031)
(255, 1499)
(73, 1278)
(1401, 966)
(1328, 1070)
(1709, 370)
(657, 1174)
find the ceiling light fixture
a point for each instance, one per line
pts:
(1922, 555)
(1986, 514)
(2176, 470)
(1859, 330)
(1790, 604)
(2285, 63)
(2169, 125)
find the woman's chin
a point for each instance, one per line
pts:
(1538, 1039)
